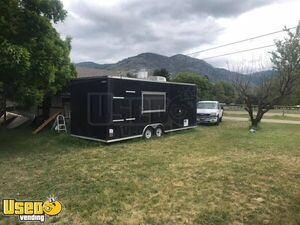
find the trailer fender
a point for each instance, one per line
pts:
(153, 126)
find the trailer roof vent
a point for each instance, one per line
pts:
(157, 78)
(142, 74)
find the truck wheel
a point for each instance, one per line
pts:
(221, 119)
(148, 133)
(158, 132)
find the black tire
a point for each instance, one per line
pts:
(159, 131)
(221, 119)
(148, 133)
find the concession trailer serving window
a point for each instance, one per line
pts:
(153, 102)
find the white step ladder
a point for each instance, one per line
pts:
(60, 124)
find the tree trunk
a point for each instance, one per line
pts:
(254, 123)
(4, 109)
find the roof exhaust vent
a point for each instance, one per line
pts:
(157, 78)
(142, 74)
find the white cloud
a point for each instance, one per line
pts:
(108, 31)
(250, 24)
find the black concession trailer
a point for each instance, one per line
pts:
(110, 109)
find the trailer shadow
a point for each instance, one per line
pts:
(20, 142)
(165, 136)
(208, 125)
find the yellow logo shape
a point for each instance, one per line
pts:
(52, 208)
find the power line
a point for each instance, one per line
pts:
(231, 53)
(244, 40)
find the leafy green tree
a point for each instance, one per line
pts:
(163, 73)
(224, 92)
(218, 92)
(203, 85)
(35, 62)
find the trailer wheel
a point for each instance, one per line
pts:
(148, 133)
(158, 132)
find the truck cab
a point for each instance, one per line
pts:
(209, 112)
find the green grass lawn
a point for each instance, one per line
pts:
(209, 175)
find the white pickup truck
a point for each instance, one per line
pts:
(209, 112)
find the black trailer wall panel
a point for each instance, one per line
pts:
(110, 109)
(89, 108)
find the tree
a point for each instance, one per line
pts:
(130, 75)
(273, 89)
(224, 92)
(292, 100)
(35, 62)
(163, 73)
(203, 85)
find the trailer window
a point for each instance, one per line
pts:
(153, 102)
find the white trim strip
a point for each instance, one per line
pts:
(130, 119)
(118, 120)
(116, 97)
(125, 138)
(128, 78)
(183, 128)
(131, 92)
(106, 141)
(154, 111)
(89, 138)
(154, 93)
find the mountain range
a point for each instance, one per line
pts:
(174, 64)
